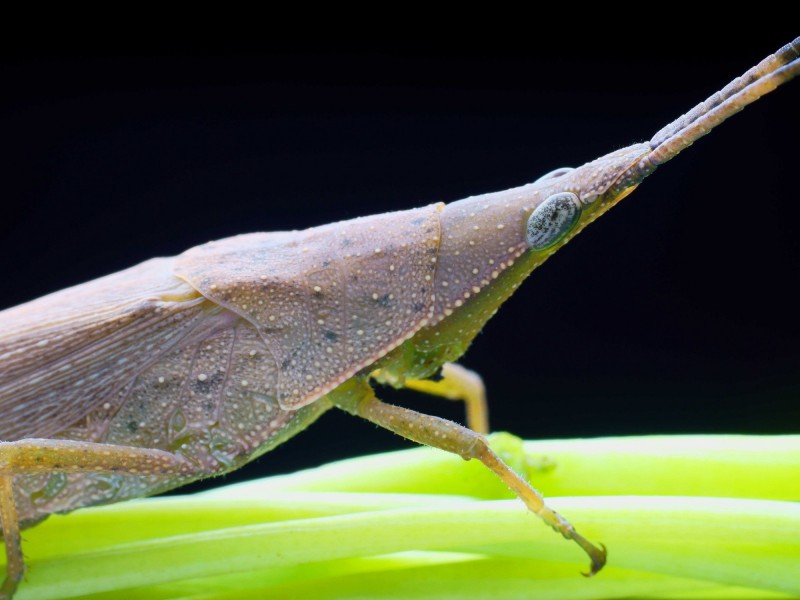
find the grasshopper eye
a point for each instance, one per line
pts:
(552, 220)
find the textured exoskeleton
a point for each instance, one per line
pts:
(217, 354)
(184, 367)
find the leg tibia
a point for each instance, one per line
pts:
(535, 503)
(446, 435)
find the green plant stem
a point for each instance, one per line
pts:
(383, 526)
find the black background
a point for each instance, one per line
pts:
(674, 313)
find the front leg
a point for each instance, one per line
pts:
(359, 399)
(31, 456)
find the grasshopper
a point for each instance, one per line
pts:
(186, 367)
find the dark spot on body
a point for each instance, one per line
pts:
(346, 242)
(132, 426)
(384, 301)
(418, 221)
(418, 306)
(331, 336)
(286, 362)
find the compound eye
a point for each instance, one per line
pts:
(552, 220)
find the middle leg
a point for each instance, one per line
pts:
(455, 383)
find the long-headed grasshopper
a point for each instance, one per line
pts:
(185, 367)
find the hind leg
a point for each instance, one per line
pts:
(66, 456)
(15, 565)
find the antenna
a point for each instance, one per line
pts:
(769, 74)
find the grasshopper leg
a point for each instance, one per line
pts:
(458, 383)
(47, 456)
(455, 438)
(15, 564)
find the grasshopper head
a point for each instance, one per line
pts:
(570, 199)
(490, 243)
